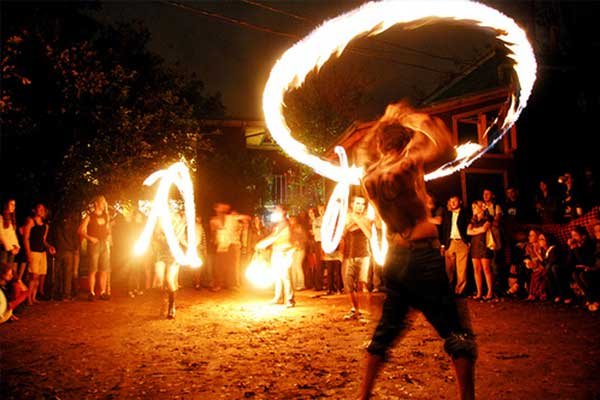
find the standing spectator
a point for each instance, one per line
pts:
(356, 254)
(332, 262)
(67, 241)
(481, 254)
(200, 274)
(9, 243)
(456, 244)
(571, 203)
(516, 211)
(546, 204)
(95, 228)
(315, 250)
(35, 235)
(298, 238)
(234, 224)
(220, 245)
(498, 261)
(281, 257)
(437, 212)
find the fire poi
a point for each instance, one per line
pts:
(173, 229)
(372, 19)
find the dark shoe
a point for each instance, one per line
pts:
(91, 297)
(353, 314)
(104, 296)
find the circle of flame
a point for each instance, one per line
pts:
(371, 19)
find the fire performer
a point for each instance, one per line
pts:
(401, 147)
(281, 257)
(166, 269)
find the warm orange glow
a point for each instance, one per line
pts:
(178, 175)
(259, 272)
(371, 19)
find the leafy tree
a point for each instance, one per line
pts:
(92, 112)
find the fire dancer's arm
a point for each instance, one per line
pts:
(272, 238)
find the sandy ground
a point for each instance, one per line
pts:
(231, 345)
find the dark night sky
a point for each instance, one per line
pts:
(236, 61)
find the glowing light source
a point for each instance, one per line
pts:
(371, 19)
(178, 175)
(259, 272)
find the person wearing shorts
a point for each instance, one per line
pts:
(396, 154)
(95, 228)
(35, 233)
(356, 255)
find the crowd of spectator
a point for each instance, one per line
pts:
(546, 248)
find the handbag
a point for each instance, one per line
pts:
(490, 242)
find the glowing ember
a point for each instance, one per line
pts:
(178, 175)
(371, 19)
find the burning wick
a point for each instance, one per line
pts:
(178, 175)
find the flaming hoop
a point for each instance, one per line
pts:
(178, 175)
(372, 19)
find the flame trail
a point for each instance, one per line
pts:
(178, 175)
(372, 19)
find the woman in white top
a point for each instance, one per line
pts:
(9, 244)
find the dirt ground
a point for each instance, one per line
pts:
(231, 345)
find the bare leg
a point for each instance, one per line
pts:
(92, 282)
(489, 277)
(102, 282)
(42, 282)
(372, 366)
(33, 286)
(465, 376)
(353, 299)
(21, 271)
(477, 274)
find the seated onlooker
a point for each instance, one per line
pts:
(13, 290)
(587, 276)
(580, 255)
(517, 279)
(533, 261)
(551, 259)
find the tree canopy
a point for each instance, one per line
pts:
(86, 108)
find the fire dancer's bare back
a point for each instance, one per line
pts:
(408, 145)
(401, 147)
